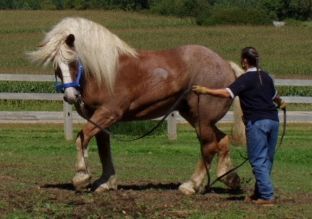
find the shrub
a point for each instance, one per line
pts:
(235, 15)
(181, 8)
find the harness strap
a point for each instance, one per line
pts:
(60, 87)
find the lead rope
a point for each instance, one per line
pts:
(105, 130)
(201, 146)
(284, 128)
(209, 185)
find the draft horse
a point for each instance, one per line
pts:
(118, 83)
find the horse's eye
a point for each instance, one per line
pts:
(58, 73)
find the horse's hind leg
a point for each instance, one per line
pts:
(108, 179)
(209, 148)
(212, 141)
(232, 180)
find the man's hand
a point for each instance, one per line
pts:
(222, 92)
(280, 103)
(199, 89)
(283, 105)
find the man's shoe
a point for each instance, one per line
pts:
(264, 202)
(250, 198)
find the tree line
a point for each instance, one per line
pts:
(205, 12)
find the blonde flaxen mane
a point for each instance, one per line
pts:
(96, 47)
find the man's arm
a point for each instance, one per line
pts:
(223, 92)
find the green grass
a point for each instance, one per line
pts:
(34, 155)
(30, 105)
(284, 50)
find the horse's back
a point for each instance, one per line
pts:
(160, 77)
(206, 67)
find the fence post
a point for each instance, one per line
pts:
(68, 121)
(172, 126)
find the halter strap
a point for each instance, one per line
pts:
(60, 87)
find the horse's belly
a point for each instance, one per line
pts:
(150, 111)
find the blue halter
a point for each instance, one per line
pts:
(60, 87)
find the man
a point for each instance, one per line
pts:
(257, 95)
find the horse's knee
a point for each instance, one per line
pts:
(223, 144)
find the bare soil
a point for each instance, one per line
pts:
(131, 200)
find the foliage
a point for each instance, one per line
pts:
(181, 8)
(296, 9)
(200, 9)
(295, 91)
(27, 87)
(235, 15)
(74, 4)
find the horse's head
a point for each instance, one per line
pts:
(69, 69)
(74, 41)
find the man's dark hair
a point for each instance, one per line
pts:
(252, 57)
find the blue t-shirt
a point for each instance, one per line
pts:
(256, 98)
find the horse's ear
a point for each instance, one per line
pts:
(70, 40)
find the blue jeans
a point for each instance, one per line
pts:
(262, 136)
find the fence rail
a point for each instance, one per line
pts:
(67, 109)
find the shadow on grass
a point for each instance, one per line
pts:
(61, 186)
(142, 187)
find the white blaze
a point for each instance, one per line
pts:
(70, 92)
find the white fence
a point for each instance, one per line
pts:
(67, 109)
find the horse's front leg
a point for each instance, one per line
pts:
(103, 118)
(82, 177)
(108, 179)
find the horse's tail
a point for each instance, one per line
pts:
(238, 71)
(238, 129)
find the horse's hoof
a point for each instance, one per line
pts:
(111, 184)
(81, 181)
(232, 180)
(187, 188)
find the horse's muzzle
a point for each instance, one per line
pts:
(71, 95)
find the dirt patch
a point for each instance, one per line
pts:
(139, 200)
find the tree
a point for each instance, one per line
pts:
(300, 9)
(144, 4)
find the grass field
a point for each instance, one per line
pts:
(284, 50)
(37, 164)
